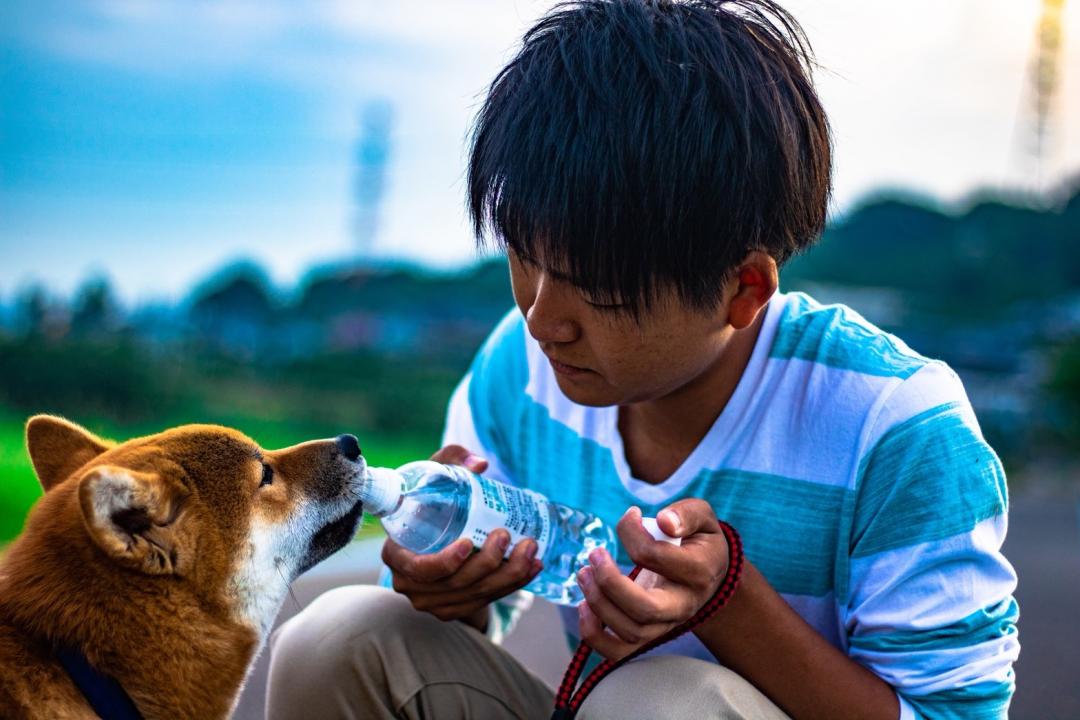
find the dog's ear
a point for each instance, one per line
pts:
(135, 518)
(58, 448)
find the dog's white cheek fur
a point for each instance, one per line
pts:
(273, 555)
(268, 566)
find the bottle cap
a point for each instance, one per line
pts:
(381, 490)
(653, 529)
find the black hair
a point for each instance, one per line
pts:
(642, 144)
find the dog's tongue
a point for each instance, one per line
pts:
(381, 490)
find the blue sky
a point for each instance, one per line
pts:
(154, 141)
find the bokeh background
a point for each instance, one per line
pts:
(252, 213)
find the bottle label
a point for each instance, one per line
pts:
(524, 513)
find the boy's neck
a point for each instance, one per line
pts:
(658, 435)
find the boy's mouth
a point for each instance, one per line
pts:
(567, 370)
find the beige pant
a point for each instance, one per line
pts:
(364, 652)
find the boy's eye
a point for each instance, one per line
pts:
(268, 476)
(607, 307)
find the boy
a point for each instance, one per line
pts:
(648, 165)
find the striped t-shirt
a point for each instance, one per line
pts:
(852, 466)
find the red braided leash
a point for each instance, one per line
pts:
(568, 702)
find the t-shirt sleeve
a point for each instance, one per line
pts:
(928, 604)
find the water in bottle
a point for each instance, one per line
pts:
(424, 506)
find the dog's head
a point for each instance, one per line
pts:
(204, 506)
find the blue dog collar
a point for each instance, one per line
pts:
(103, 693)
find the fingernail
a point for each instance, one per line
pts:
(502, 542)
(597, 557)
(471, 459)
(674, 518)
(632, 509)
(585, 577)
(463, 548)
(537, 566)
(530, 552)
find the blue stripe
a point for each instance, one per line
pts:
(927, 478)
(500, 373)
(985, 625)
(983, 701)
(832, 335)
(789, 527)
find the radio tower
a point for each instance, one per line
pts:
(1044, 82)
(372, 155)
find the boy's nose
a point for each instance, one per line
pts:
(546, 317)
(349, 446)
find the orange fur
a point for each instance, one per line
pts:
(145, 556)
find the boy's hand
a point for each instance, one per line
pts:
(688, 576)
(456, 583)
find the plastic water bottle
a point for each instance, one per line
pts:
(424, 506)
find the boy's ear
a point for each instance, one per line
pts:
(134, 518)
(58, 448)
(756, 280)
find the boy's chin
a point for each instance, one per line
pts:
(590, 390)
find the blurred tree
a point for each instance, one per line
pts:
(95, 314)
(973, 265)
(233, 311)
(37, 316)
(1063, 395)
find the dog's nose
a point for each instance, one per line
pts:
(349, 446)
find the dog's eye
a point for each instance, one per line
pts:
(268, 476)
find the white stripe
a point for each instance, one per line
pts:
(814, 438)
(906, 711)
(932, 584)
(932, 385)
(931, 671)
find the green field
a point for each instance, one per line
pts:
(20, 488)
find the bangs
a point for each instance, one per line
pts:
(639, 146)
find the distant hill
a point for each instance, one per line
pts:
(975, 263)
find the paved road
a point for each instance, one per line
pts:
(1043, 544)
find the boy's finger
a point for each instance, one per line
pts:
(615, 617)
(459, 455)
(427, 568)
(602, 641)
(483, 562)
(475, 463)
(643, 606)
(516, 572)
(451, 455)
(663, 558)
(688, 517)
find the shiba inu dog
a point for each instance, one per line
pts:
(161, 562)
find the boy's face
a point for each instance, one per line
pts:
(603, 356)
